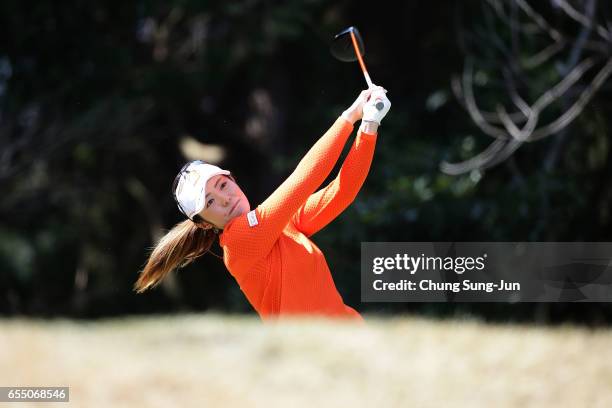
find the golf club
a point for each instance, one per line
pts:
(348, 46)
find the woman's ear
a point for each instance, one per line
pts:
(207, 227)
(200, 223)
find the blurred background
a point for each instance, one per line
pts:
(499, 131)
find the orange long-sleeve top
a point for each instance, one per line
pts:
(269, 252)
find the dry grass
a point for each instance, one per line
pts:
(217, 361)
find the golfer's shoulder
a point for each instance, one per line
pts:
(247, 230)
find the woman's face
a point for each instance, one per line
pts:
(224, 201)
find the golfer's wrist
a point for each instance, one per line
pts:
(350, 116)
(368, 126)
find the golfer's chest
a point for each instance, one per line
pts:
(295, 243)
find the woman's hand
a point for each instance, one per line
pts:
(376, 109)
(355, 111)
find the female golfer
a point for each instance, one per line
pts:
(268, 250)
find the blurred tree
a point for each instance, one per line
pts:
(102, 102)
(524, 57)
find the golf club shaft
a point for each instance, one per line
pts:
(379, 104)
(368, 79)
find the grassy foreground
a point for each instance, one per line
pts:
(219, 361)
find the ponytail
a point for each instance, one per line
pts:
(179, 247)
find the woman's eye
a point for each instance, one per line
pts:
(223, 185)
(209, 202)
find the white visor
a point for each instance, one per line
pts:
(190, 190)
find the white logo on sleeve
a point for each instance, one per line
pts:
(252, 217)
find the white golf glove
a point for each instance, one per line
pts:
(370, 109)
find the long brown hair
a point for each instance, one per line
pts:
(179, 247)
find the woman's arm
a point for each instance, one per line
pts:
(314, 169)
(276, 211)
(321, 208)
(251, 236)
(326, 204)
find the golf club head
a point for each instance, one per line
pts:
(342, 45)
(343, 48)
